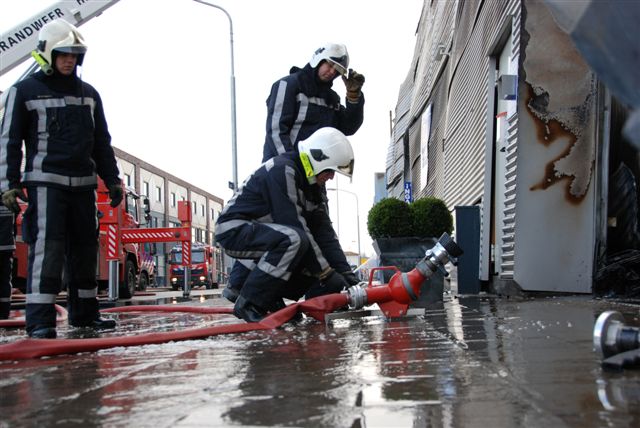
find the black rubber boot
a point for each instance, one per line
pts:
(98, 324)
(277, 305)
(247, 311)
(231, 294)
(103, 324)
(43, 333)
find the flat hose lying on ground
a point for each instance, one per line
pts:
(34, 348)
(20, 322)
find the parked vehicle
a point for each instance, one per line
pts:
(203, 266)
(137, 269)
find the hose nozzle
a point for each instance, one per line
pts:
(611, 336)
(404, 287)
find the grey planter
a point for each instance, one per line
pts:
(404, 253)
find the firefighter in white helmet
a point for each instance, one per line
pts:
(269, 222)
(298, 105)
(304, 101)
(60, 120)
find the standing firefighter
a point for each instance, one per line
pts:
(304, 101)
(298, 105)
(270, 222)
(61, 121)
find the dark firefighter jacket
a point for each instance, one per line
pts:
(300, 104)
(277, 192)
(62, 123)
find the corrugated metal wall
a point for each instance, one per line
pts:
(508, 228)
(436, 178)
(395, 153)
(456, 86)
(466, 133)
(459, 108)
(482, 38)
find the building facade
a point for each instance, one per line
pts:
(164, 191)
(500, 110)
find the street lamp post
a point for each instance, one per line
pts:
(357, 217)
(234, 142)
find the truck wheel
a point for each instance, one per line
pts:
(128, 286)
(143, 282)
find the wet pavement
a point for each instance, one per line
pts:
(472, 361)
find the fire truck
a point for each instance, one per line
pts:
(137, 268)
(203, 266)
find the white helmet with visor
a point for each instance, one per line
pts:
(326, 149)
(334, 53)
(59, 36)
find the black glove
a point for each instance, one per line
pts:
(115, 193)
(353, 83)
(333, 283)
(10, 199)
(351, 278)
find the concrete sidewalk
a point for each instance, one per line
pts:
(473, 361)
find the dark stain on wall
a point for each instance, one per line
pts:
(547, 132)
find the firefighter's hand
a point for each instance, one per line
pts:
(351, 278)
(10, 199)
(334, 283)
(353, 83)
(115, 193)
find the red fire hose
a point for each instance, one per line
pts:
(20, 322)
(393, 298)
(34, 348)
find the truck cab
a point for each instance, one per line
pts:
(203, 267)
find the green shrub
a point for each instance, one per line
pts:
(430, 218)
(389, 218)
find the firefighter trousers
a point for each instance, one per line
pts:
(278, 251)
(60, 227)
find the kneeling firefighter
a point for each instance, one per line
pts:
(269, 221)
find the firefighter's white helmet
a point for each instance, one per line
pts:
(334, 53)
(328, 148)
(60, 36)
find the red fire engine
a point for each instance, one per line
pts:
(203, 266)
(137, 267)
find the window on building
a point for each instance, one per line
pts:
(145, 188)
(213, 214)
(194, 208)
(158, 194)
(173, 199)
(202, 210)
(127, 180)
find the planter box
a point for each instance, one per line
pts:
(404, 253)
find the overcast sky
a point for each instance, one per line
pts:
(163, 70)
